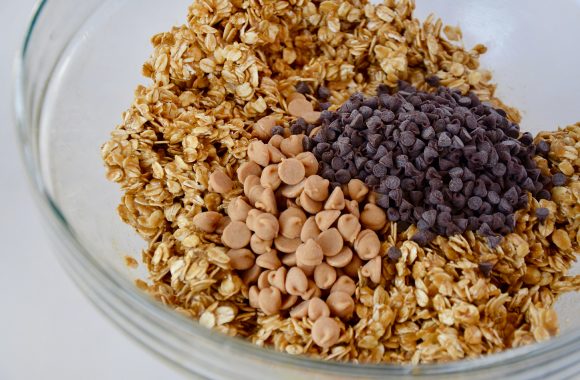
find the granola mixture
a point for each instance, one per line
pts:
(234, 63)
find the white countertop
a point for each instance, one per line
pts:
(48, 330)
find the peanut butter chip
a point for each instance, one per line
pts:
(241, 259)
(220, 182)
(349, 227)
(222, 224)
(270, 178)
(312, 291)
(248, 168)
(330, 241)
(207, 221)
(238, 209)
(324, 276)
(258, 152)
(294, 96)
(316, 188)
(253, 293)
(283, 244)
(291, 222)
(292, 191)
(373, 217)
(278, 279)
(263, 282)
(300, 311)
(309, 253)
(288, 301)
(292, 146)
(255, 194)
(296, 281)
(275, 155)
(310, 229)
(275, 141)
(325, 219)
(352, 207)
(310, 163)
(352, 268)
(307, 269)
(344, 284)
(251, 275)
(341, 304)
(342, 259)
(298, 107)
(267, 201)
(317, 308)
(291, 171)
(289, 259)
(325, 332)
(311, 117)
(270, 300)
(372, 269)
(357, 190)
(236, 235)
(335, 200)
(252, 217)
(308, 204)
(263, 127)
(367, 245)
(266, 226)
(268, 260)
(250, 182)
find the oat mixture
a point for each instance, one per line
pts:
(236, 216)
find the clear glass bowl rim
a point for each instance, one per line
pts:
(123, 290)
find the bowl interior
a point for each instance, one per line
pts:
(532, 53)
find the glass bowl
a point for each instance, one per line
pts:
(77, 70)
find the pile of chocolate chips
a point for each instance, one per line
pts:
(443, 161)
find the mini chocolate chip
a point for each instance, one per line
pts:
(433, 81)
(423, 237)
(436, 197)
(455, 185)
(474, 203)
(559, 179)
(394, 253)
(380, 170)
(337, 163)
(444, 140)
(323, 92)
(393, 214)
(505, 206)
(407, 138)
(430, 217)
(303, 88)
(392, 182)
(542, 214)
(543, 147)
(485, 268)
(342, 176)
(278, 130)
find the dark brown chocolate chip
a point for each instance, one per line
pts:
(303, 88)
(542, 214)
(559, 179)
(485, 268)
(323, 93)
(394, 253)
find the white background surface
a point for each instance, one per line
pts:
(48, 330)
